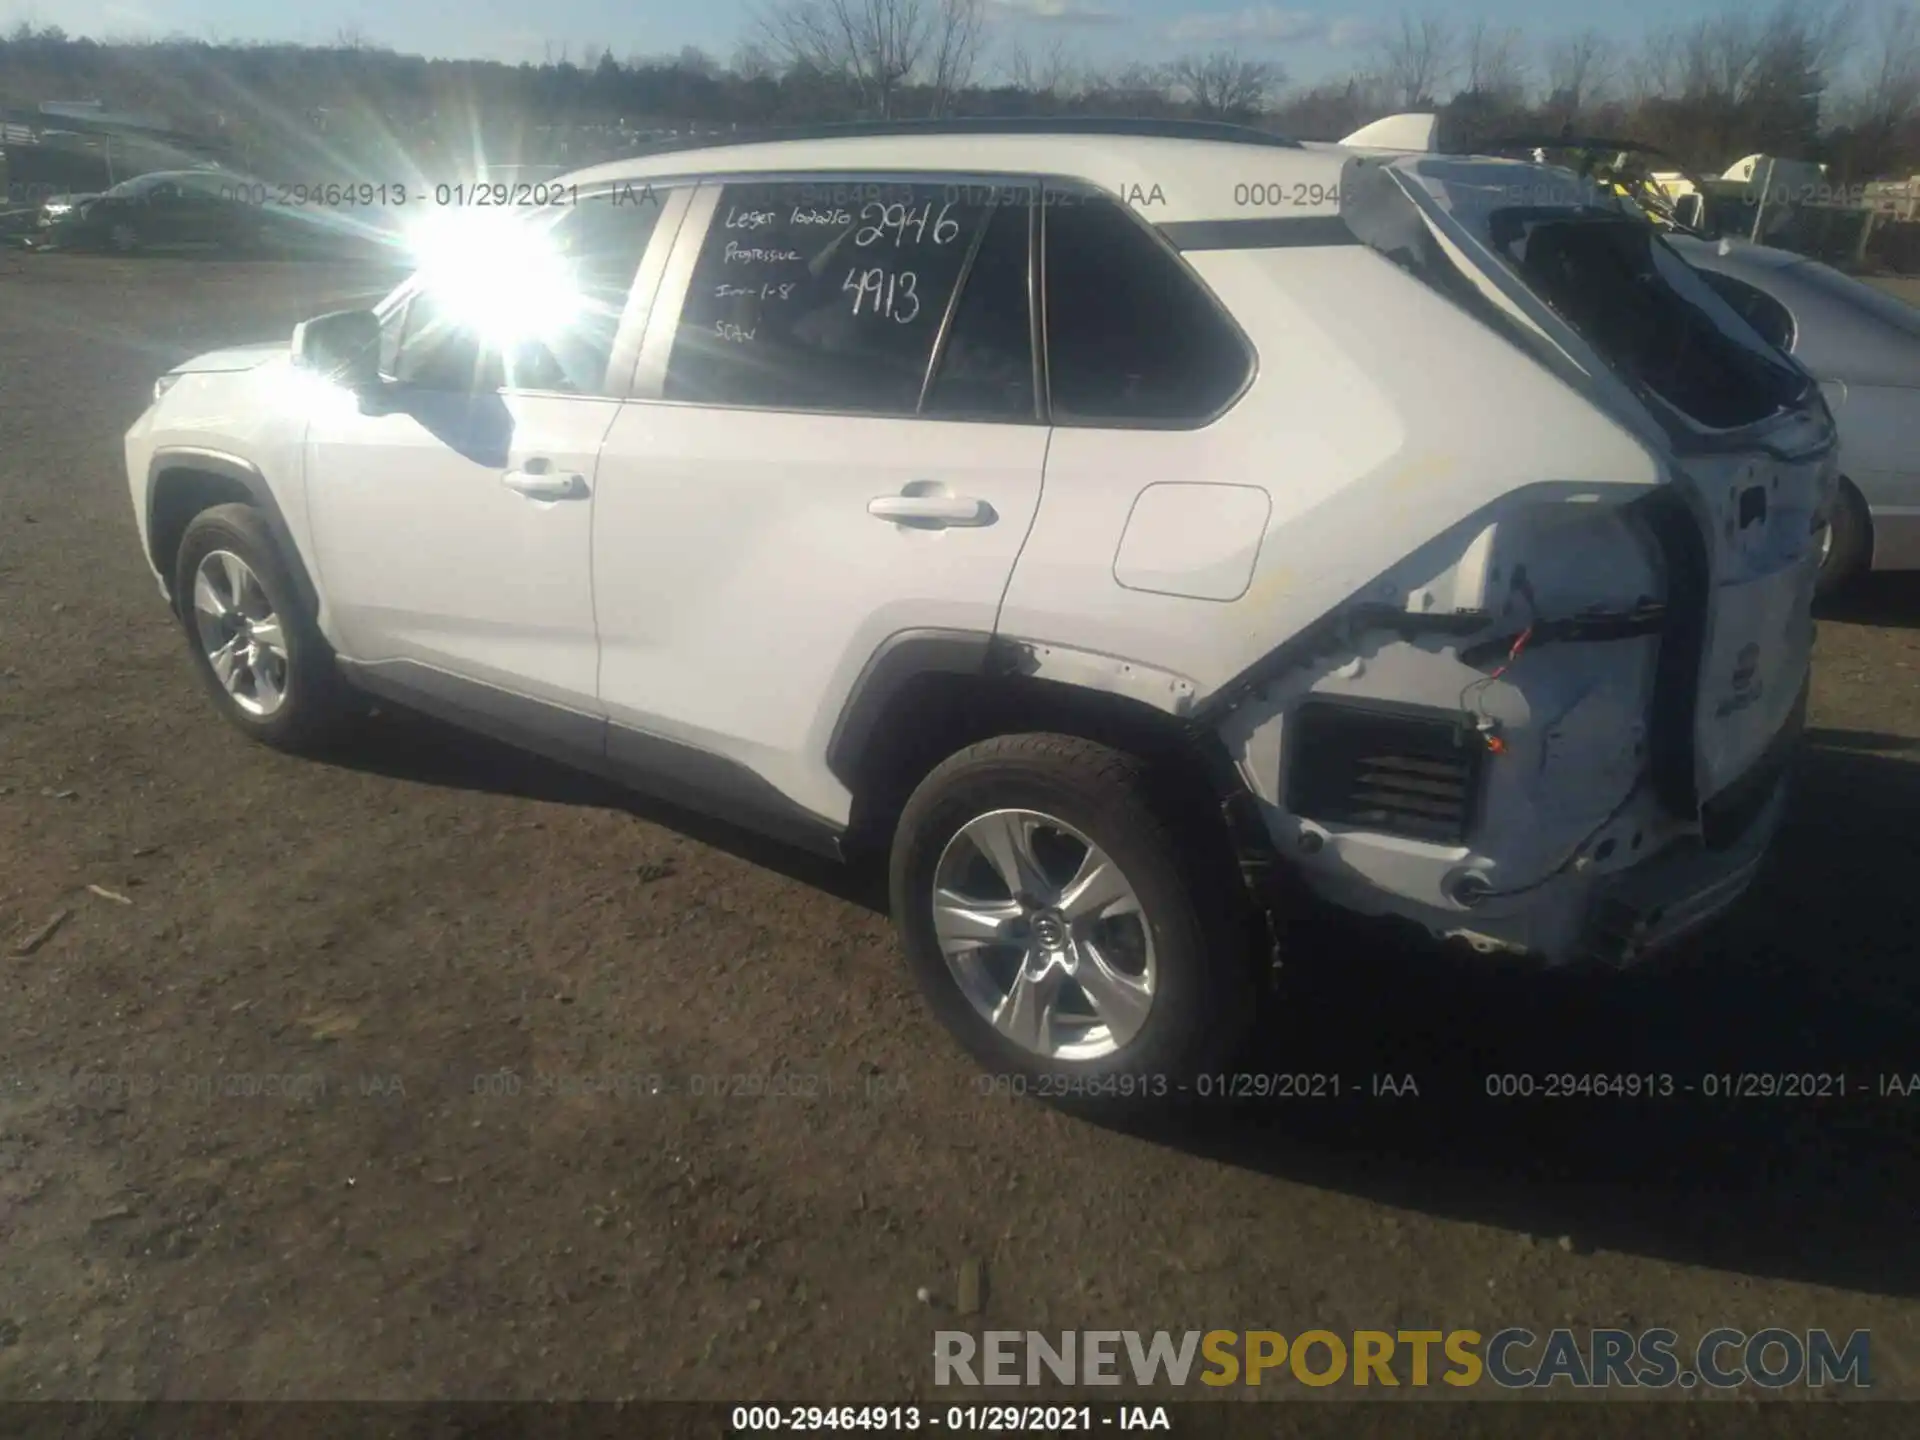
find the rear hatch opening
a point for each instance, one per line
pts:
(1594, 293)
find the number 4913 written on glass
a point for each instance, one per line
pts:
(877, 291)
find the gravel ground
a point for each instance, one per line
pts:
(259, 1128)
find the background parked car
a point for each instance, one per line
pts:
(155, 211)
(1863, 346)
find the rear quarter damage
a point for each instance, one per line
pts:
(1461, 680)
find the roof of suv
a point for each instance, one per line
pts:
(1170, 171)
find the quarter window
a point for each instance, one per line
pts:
(821, 296)
(1131, 335)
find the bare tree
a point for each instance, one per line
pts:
(1049, 75)
(877, 46)
(1890, 95)
(752, 62)
(1495, 62)
(954, 49)
(1225, 85)
(1576, 72)
(1416, 60)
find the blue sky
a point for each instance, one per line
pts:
(1311, 38)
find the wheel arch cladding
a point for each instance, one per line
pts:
(183, 483)
(919, 703)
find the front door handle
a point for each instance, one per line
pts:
(934, 510)
(537, 482)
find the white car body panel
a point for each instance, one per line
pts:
(1393, 467)
(743, 583)
(387, 498)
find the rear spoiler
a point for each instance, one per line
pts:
(1412, 131)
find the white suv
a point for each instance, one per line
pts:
(1127, 528)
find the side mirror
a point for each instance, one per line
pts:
(343, 347)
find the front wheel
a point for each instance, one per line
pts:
(256, 646)
(123, 238)
(1060, 927)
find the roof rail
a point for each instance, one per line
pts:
(1118, 125)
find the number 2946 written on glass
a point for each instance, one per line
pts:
(905, 225)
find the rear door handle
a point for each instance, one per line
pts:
(932, 509)
(537, 482)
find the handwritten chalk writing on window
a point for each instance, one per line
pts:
(750, 219)
(809, 215)
(891, 293)
(738, 254)
(770, 291)
(736, 334)
(906, 225)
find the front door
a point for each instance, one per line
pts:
(454, 530)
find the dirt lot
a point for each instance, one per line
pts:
(258, 1128)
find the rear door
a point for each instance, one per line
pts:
(1602, 299)
(834, 440)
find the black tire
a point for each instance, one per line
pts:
(318, 708)
(1850, 548)
(1195, 906)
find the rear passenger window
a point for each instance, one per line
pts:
(815, 296)
(1131, 335)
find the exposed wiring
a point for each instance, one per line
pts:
(1472, 693)
(1578, 850)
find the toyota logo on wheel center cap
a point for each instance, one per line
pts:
(1050, 930)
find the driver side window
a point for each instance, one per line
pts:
(431, 343)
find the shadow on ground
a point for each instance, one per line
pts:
(1889, 599)
(407, 746)
(1813, 976)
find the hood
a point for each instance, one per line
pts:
(234, 357)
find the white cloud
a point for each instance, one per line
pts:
(1270, 24)
(1057, 12)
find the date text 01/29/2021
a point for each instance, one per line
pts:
(958, 1419)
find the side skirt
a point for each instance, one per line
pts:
(682, 775)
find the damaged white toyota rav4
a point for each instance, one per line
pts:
(1125, 528)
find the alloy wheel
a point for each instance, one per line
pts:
(240, 634)
(1044, 935)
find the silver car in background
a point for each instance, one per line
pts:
(1863, 346)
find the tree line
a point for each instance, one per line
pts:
(1837, 82)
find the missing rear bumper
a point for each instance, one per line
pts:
(1673, 895)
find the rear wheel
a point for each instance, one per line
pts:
(1847, 545)
(257, 648)
(1064, 923)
